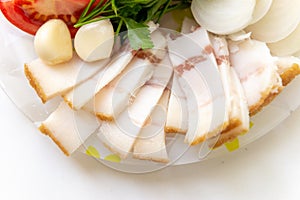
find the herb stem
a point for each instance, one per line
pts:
(99, 4)
(85, 11)
(164, 10)
(119, 26)
(96, 12)
(93, 20)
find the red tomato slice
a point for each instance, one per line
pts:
(29, 15)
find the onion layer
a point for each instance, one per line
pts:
(261, 9)
(223, 17)
(288, 46)
(280, 21)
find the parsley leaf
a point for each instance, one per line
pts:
(138, 35)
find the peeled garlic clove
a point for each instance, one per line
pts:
(53, 43)
(223, 17)
(94, 41)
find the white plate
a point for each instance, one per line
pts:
(16, 48)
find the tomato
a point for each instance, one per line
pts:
(29, 15)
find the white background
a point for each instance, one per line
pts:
(33, 168)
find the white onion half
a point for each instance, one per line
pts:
(223, 16)
(297, 54)
(261, 8)
(280, 21)
(288, 46)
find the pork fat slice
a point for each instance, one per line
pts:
(288, 68)
(200, 80)
(119, 136)
(239, 114)
(114, 98)
(177, 115)
(256, 70)
(50, 81)
(68, 128)
(221, 53)
(236, 103)
(151, 144)
(110, 101)
(84, 92)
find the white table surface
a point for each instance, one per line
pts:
(33, 168)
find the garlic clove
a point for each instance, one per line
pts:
(94, 41)
(53, 43)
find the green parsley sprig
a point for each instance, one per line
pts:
(131, 16)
